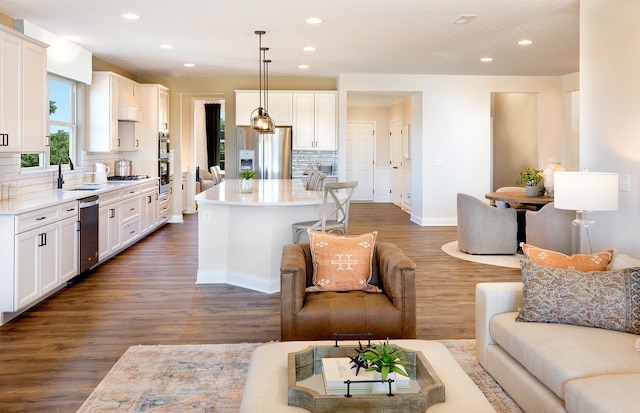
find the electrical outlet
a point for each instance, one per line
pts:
(624, 183)
(439, 161)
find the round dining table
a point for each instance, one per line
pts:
(520, 197)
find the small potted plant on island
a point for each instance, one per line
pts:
(246, 186)
(532, 179)
(385, 361)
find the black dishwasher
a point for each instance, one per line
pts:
(88, 231)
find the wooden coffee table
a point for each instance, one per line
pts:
(266, 387)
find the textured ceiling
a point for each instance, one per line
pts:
(356, 36)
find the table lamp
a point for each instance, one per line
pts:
(585, 192)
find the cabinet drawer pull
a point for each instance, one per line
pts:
(40, 218)
(71, 209)
(132, 209)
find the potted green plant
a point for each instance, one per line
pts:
(385, 360)
(532, 179)
(247, 180)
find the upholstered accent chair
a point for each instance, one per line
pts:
(318, 315)
(483, 229)
(550, 228)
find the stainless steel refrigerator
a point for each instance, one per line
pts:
(268, 155)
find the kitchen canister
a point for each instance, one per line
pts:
(122, 168)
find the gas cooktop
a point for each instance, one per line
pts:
(127, 178)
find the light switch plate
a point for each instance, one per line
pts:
(624, 183)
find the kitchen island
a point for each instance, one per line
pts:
(240, 236)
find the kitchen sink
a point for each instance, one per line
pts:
(86, 188)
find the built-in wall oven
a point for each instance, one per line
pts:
(164, 162)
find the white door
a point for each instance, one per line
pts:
(395, 163)
(360, 158)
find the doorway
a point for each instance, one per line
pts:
(395, 163)
(360, 158)
(514, 122)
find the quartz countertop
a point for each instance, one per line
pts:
(43, 199)
(266, 192)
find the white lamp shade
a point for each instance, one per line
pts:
(586, 191)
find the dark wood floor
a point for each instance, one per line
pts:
(54, 355)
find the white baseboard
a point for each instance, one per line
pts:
(239, 280)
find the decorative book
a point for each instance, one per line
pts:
(337, 370)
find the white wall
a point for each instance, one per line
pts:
(451, 120)
(609, 111)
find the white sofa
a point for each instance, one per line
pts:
(555, 367)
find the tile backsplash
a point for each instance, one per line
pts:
(302, 161)
(26, 182)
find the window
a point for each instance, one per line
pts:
(62, 125)
(222, 128)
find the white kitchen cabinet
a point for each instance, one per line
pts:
(163, 109)
(37, 264)
(131, 219)
(315, 121)
(280, 107)
(164, 208)
(106, 132)
(149, 208)
(24, 103)
(69, 240)
(68, 248)
(154, 103)
(109, 224)
(35, 104)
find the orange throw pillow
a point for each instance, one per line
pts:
(341, 262)
(580, 262)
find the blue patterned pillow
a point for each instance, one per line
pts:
(603, 299)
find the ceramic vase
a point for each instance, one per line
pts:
(383, 387)
(533, 190)
(548, 176)
(246, 186)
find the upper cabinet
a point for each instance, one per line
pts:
(24, 102)
(313, 116)
(154, 103)
(315, 121)
(114, 114)
(280, 107)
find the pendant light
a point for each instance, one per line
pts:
(262, 122)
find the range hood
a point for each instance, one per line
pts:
(128, 107)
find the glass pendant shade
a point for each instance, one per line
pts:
(262, 122)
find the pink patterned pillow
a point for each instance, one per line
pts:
(342, 262)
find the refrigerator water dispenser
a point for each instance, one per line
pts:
(246, 159)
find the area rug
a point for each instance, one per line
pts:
(511, 261)
(210, 378)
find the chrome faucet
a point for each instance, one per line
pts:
(60, 180)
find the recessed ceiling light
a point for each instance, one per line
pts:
(525, 42)
(131, 16)
(73, 38)
(309, 49)
(166, 46)
(486, 59)
(303, 67)
(313, 20)
(189, 64)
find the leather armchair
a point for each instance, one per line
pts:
(318, 315)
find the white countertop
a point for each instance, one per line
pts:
(266, 192)
(43, 199)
